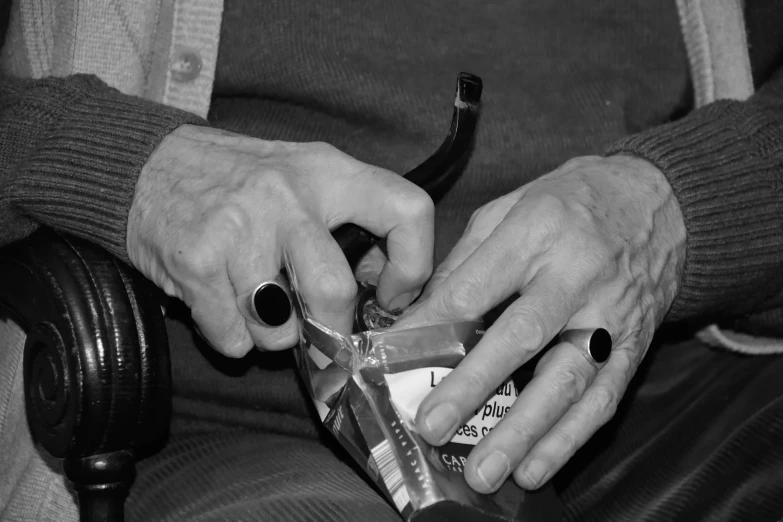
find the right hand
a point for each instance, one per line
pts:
(214, 213)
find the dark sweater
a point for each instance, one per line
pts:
(562, 78)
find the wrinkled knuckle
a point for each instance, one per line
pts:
(231, 221)
(281, 196)
(598, 262)
(519, 338)
(478, 220)
(514, 337)
(420, 205)
(412, 204)
(335, 287)
(649, 312)
(570, 383)
(551, 214)
(200, 259)
(460, 301)
(522, 433)
(566, 440)
(604, 402)
(526, 328)
(552, 207)
(474, 383)
(277, 186)
(276, 183)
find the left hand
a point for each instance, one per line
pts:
(599, 242)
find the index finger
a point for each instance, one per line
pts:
(502, 264)
(390, 206)
(521, 331)
(325, 279)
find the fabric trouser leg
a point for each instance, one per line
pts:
(239, 475)
(699, 436)
(32, 486)
(244, 446)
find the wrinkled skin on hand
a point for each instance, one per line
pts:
(599, 242)
(215, 212)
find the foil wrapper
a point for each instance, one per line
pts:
(366, 389)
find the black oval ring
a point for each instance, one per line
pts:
(272, 304)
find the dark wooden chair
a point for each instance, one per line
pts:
(96, 362)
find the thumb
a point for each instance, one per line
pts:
(482, 224)
(423, 310)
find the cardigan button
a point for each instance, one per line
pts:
(185, 65)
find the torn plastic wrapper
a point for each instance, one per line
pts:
(366, 389)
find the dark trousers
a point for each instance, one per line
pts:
(699, 436)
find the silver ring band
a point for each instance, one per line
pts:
(270, 303)
(595, 343)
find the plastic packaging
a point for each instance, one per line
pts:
(366, 389)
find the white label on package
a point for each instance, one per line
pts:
(408, 389)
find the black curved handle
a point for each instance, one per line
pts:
(435, 172)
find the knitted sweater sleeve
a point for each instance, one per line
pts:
(725, 164)
(71, 150)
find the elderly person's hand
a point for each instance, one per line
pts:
(215, 212)
(598, 243)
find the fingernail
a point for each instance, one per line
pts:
(401, 301)
(441, 420)
(493, 469)
(536, 471)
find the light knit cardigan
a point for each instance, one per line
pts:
(134, 46)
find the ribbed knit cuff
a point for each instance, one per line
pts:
(723, 162)
(82, 177)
